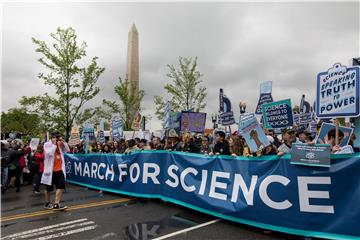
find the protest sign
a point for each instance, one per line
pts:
(265, 96)
(34, 143)
(175, 121)
(117, 129)
(296, 118)
(305, 118)
(278, 114)
(357, 132)
(322, 138)
(88, 133)
(101, 136)
(304, 105)
(253, 134)
(167, 118)
(312, 127)
(74, 137)
(317, 155)
(337, 93)
(193, 122)
(136, 122)
(226, 116)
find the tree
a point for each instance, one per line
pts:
(185, 92)
(74, 85)
(18, 120)
(125, 108)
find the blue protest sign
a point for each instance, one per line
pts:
(88, 133)
(296, 118)
(226, 116)
(193, 122)
(305, 118)
(265, 96)
(317, 155)
(175, 121)
(167, 119)
(254, 135)
(337, 93)
(101, 136)
(117, 131)
(278, 114)
(266, 192)
(322, 138)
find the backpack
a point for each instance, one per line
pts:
(32, 165)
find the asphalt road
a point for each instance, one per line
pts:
(94, 216)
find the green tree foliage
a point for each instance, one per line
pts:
(74, 85)
(185, 92)
(18, 120)
(127, 106)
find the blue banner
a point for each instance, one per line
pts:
(266, 192)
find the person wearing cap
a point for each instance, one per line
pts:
(54, 170)
(288, 137)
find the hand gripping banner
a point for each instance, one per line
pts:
(266, 192)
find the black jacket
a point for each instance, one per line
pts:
(222, 148)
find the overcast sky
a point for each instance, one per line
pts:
(238, 45)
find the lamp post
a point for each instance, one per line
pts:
(214, 120)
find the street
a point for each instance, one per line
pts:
(93, 215)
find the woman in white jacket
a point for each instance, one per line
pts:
(54, 170)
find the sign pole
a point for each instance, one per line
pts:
(336, 131)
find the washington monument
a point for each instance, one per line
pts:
(132, 65)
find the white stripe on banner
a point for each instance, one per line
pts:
(44, 228)
(61, 234)
(55, 230)
(187, 229)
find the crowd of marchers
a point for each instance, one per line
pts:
(22, 165)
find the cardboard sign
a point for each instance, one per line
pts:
(74, 137)
(337, 93)
(326, 127)
(34, 143)
(254, 135)
(278, 114)
(193, 122)
(317, 155)
(101, 136)
(136, 122)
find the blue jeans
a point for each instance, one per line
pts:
(4, 177)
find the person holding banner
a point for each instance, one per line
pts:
(289, 138)
(205, 147)
(235, 145)
(222, 146)
(54, 170)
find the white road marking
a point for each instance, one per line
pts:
(61, 234)
(44, 228)
(106, 235)
(55, 230)
(187, 229)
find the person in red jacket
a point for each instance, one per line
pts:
(39, 162)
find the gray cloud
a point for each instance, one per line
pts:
(239, 45)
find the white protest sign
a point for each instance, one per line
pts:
(34, 143)
(337, 92)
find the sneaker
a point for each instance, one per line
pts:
(37, 192)
(58, 207)
(48, 205)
